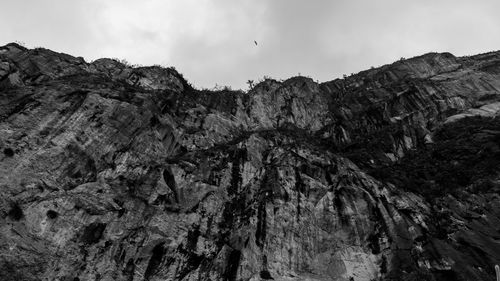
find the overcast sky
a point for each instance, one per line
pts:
(212, 41)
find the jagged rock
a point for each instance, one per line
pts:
(114, 172)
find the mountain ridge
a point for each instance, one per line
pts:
(363, 72)
(111, 172)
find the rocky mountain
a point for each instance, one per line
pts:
(113, 172)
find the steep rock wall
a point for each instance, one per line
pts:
(111, 172)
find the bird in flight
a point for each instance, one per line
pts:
(255, 42)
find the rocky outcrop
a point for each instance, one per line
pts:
(110, 172)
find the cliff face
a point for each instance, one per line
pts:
(110, 172)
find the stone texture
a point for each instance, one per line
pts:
(110, 172)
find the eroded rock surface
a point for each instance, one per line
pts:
(110, 172)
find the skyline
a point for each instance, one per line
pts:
(213, 42)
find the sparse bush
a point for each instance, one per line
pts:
(123, 61)
(250, 84)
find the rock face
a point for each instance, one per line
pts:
(110, 172)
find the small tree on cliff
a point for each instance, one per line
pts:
(250, 84)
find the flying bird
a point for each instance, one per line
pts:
(255, 42)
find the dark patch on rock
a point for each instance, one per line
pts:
(155, 261)
(383, 265)
(93, 233)
(192, 262)
(260, 232)
(300, 188)
(373, 243)
(170, 181)
(15, 212)
(128, 271)
(154, 121)
(233, 262)
(75, 99)
(8, 152)
(236, 211)
(192, 238)
(79, 169)
(266, 275)
(121, 212)
(19, 106)
(51, 214)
